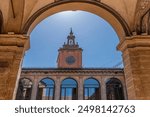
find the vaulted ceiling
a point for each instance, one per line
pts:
(16, 13)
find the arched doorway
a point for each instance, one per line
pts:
(114, 89)
(24, 89)
(91, 89)
(46, 89)
(69, 89)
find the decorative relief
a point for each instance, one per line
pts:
(142, 17)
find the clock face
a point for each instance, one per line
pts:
(70, 60)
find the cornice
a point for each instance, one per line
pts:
(72, 71)
(134, 41)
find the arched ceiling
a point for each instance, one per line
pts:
(17, 13)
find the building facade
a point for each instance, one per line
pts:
(70, 81)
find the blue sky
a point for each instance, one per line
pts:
(97, 38)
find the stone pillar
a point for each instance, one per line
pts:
(34, 89)
(136, 57)
(124, 89)
(12, 48)
(57, 88)
(103, 89)
(80, 89)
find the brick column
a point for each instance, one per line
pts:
(103, 89)
(136, 57)
(12, 48)
(80, 89)
(34, 89)
(57, 88)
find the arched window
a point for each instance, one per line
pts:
(24, 89)
(46, 89)
(114, 89)
(69, 89)
(91, 89)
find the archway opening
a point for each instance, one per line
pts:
(46, 89)
(91, 89)
(24, 89)
(96, 36)
(120, 29)
(91, 33)
(114, 89)
(69, 89)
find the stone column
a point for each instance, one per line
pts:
(12, 48)
(34, 89)
(57, 88)
(80, 89)
(136, 57)
(124, 88)
(103, 89)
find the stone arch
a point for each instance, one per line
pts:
(93, 78)
(114, 89)
(46, 89)
(46, 77)
(1, 22)
(92, 89)
(69, 89)
(142, 8)
(95, 7)
(145, 22)
(24, 89)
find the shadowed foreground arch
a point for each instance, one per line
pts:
(94, 7)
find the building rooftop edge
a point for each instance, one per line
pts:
(32, 68)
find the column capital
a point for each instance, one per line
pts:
(10, 42)
(136, 56)
(133, 42)
(12, 49)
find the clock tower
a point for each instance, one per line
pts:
(70, 55)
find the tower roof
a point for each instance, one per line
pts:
(71, 38)
(71, 43)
